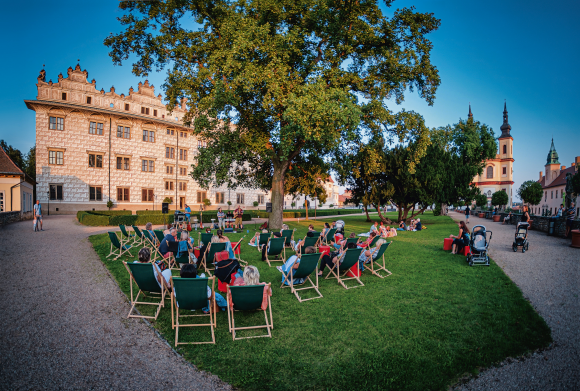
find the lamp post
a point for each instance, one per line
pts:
(48, 198)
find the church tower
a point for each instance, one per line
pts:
(552, 165)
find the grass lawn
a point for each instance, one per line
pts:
(433, 320)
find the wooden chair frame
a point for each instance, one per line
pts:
(123, 248)
(307, 279)
(374, 262)
(326, 237)
(282, 253)
(164, 290)
(231, 321)
(149, 239)
(336, 273)
(315, 245)
(139, 239)
(203, 261)
(239, 257)
(125, 235)
(290, 238)
(212, 316)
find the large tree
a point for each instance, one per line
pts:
(499, 198)
(531, 192)
(272, 82)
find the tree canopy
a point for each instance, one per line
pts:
(531, 192)
(276, 83)
(481, 200)
(499, 198)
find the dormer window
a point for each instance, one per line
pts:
(155, 113)
(126, 106)
(88, 100)
(64, 96)
(145, 110)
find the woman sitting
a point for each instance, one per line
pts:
(325, 230)
(383, 231)
(256, 239)
(293, 263)
(402, 226)
(251, 276)
(340, 244)
(331, 260)
(367, 242)
(300, 243)
(365, 255)
(187, 246)
(462, 239)
(220, 235)
(145, 257)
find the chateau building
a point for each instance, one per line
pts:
(94, 146)
(498, 172)
(553, 181)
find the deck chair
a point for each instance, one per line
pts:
(373, 242)
(248, 298)
(126, 237)
(276, 249)
(308, 265)
(239, 256)
(121, 248)
(151, 242)
(329, 236)
(142, 274)
(204, 238)
(350, 240)
(191, 294)
(209, 255)
(375, 267)
(288, 235)
(159, 236)
(309, 242)
(263, 240)
(139, 239)
(339, 270)
(175, 263)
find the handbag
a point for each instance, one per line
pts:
(224, 269)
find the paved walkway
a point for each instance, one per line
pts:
(63, 319)
(549, 277)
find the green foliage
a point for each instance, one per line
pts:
(168, 200)
(104, 218)
(576, 183)
(481, 200)
(207, 202)
(109, 204)
(331, 205)
(256, 203)
(437, 210)
(531, 192)
(420, 329)
(499, 198)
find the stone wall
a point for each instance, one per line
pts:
(12, 217)
(541, 223)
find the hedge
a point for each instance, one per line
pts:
(95, 219)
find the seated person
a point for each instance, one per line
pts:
(325, 229)
(208, 230)
(190, 271)
(251, 276)
(340, 244)
(145, 257)
(373, 251)
(186, 246)
(256, 239)
(163, 247)
(507, 219)
(265, 249)
(368, 241)
(333, 258)
(418, 225)
(293, 263)
(383, 230)
(300, 243)
(167, 231)
(374, 228)
(221, 236)
(402, 226)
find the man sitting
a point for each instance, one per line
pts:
(507, 219)
(164, 247)
(418, 225)
(300, 243)
(293, 263)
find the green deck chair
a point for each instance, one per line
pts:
(121, 248)
(191, 294)
(308, 265)
(209, 255)
(329, 237)
(159, 236)
(276, 249)
(139, 239)
(263, 240)
(350, 240)
(126, 237)
(248, 298)
(373, 242)
(309, 242)
(142, 274)
(177, 262)
(340, 270)
(204, 238)
(151, 242)
(375, 267)
(288, 235)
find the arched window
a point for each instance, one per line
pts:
(489, 172)
(504, 149)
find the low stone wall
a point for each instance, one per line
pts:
(9, 217)
(541, 223)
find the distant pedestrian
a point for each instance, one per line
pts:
(38, 213)
(569, 218)
(467, 212)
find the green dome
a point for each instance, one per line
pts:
(552, 155)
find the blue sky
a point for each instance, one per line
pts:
(525, 52)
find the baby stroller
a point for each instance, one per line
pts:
(339, 227)
(521, 238)
(479, 244)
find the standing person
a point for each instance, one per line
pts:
(560, 211)
(187, 212)
(569, 218)
(238, 214)
(38, 213)
(221, 216)
(467, 212)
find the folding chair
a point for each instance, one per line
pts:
(374, 260)
(139, 239)
(317, 236)
(275, 248)
(142, 274)
(350, 240)
(128, 237)
(309, 242)
(373, 242)
(329, 236)
(204, 238)
(308, 265)
(248, 298)
(159, 235)
(151, 242)
(116, 244)
(339, 270)
(210, 255)
(288, 235)
(239, 256)
(263, 240)
(177, 262)
(191, 294)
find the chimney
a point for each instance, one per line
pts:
(573, 164)
(577, 160)
(540, 175)
(562, 168)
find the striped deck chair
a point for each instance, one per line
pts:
(340, 270)
(263, 240)
(308, 265)
(288, 235)
(126, 237)
(275, 248)
(143, 276)
(373, 264)
(191, 294)
(309, 242)
(209, 255)
(121, 249)
(248, 298)
(139, 239)
(329, 237)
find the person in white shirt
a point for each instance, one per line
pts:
(38, 213)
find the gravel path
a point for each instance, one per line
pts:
(549, 277)
(64, 320)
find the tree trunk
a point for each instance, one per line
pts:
(444, 209)
(418, 213)
(367, 212)
(383, 219)
(276, 218)
(306, 207)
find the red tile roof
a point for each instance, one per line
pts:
(7, 166)
(560, 179)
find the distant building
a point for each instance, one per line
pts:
(498, 172)
(553, 181)
(16, 188)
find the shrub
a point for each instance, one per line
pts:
(437, 210)
(256, 203)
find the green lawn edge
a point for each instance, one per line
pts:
(430, 323)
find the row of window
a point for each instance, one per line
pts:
(56, 157)
(552, 194)
(490, 171)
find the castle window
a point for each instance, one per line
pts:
(56, 157)
(147, 195)
(182, 154)
(95, 160)
(149, 136)
(55, 192)
(260, 199)
(123, 163)
(240, 198)
(552, 195)
(88, 100)
(64, 96)
(126, 106)
(148, 165)
(201, 144)
(170, 153)
(556, 193)
(168, 185)
(219, 198)
(183, 186)
(95, 193)
(201, 195)
(504, 149)
(145, 110)
(56, 123)
(170, 131)
(504, 170)
(489, 172)
(122, 194)
(155, 113)
(169, 169)
(123, 132)
(96, 128)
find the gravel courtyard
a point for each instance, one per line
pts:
(64, 321)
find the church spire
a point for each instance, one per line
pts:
(470, 115)
(552, 155)
(505, 127)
